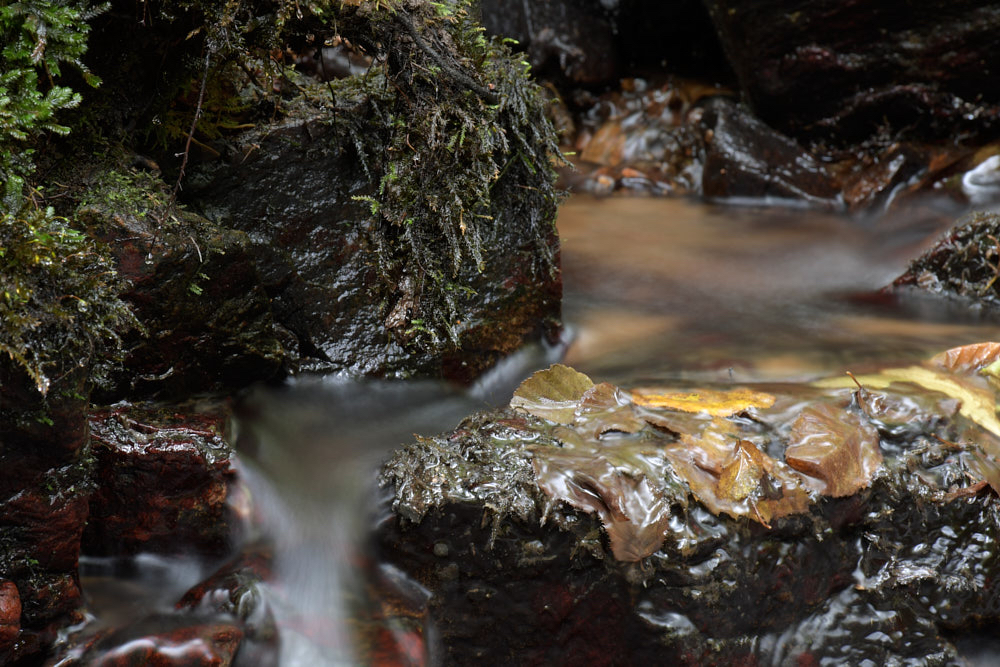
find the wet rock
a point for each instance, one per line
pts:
(162, 483)
(518, 551)
(848, 71)
(964, 264)
(747, 160)
(44, 493)
(167, 640)
(598, 41)
(311, 238)
(193, 286)
(10, 616)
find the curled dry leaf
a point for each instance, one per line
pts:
(967, 359)
(552, 394)
(836, 448)
(714, 402)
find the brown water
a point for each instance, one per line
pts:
(667, 288)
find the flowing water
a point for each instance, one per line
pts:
(655, 290)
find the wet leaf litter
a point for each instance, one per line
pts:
(630, 456)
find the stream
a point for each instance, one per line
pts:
(656, 290)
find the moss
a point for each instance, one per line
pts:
(59, 302)
(447, 126)
(39, 36)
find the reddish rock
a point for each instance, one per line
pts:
(179, 643)
(10, 614)
(162, 483)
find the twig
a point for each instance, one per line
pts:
(458, 76)
(194, 124)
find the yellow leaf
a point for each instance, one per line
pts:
(710, 401)
(978, 404)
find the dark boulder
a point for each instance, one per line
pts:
(597, 42)
(301, 199)
(206, 320)
(623, 531)
(847, 71)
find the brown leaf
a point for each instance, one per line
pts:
(714, 402)
(985, 468)
(605, 408)
(836, 448)
(967, 359)
(552, 394)
(635, 513)
(749, 483)
(743, 474)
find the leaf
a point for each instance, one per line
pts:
(743, 474)
(605, 408)
(711, 401)
(635, 514)
(985, 468)
(746, 483)
(552, 394)
(967, 359)
(835, 447)
(977, 403)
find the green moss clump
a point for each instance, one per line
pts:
(59, 303)
(38, 37)
(458, 143)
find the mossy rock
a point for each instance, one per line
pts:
(206, 320)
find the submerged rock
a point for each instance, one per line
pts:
(668, 525)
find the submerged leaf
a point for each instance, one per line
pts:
(967, 359)
(736, 478)
(835, 447)
(714, 402)
(634, 511)
(977, 403)
(604, 408)
(552, 394)
(744, 472)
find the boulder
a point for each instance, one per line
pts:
(845, 72)
(162, 483)
(709, 525)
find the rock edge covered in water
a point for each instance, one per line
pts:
(706, 525)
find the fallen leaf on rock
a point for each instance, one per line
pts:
(745, 483)
(714, 402)
(985, 468)
(904, 412)
(967, 358)
(635, 513)
(552, 394)
(977, 403)
(742, 476)
(836, 448)
(604, 408)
